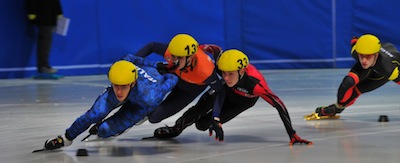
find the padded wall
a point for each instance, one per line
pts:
(285, 34)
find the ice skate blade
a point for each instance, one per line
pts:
(314, 116)
(95, 139)
(45, 150)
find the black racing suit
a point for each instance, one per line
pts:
(239, 98)
(360, 80)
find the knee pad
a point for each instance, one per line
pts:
(347, 91)
(347, 83)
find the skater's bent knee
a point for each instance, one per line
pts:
(104, 131)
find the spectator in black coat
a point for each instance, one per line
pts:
(44, 14)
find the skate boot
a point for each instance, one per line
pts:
(215, 50)
(58, 142)
(325, 112)
(315, 116)
(166, 132)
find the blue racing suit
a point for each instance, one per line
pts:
(143, 98)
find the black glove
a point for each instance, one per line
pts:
(215, 50)
(296, 139)
(94, 129)
(163, 68)
(353, 40)
(217, 127)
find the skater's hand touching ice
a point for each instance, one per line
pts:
(217, 127)
(296, 139)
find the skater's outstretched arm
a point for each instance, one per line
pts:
(153, 47)
(276, 102)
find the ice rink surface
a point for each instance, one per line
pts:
(32, 111)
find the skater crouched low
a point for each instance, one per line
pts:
(244, 85)
(377, 63)
(136, 85)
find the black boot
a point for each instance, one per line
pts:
(166, 132)
(330, 110)
(57, 142)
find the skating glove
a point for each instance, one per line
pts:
(353, 41)
(94, 129)
(163, 68)
(217, 127)
(215, 50)
(296, 139)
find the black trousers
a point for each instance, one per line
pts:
(44, 42)
(201, 113)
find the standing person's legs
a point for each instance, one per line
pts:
(44, 42)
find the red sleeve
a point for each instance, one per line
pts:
(265, 93)
(261, 89)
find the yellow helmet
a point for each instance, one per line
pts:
(122, 73)
(183, 45)
(232, 60)
(368, 44)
